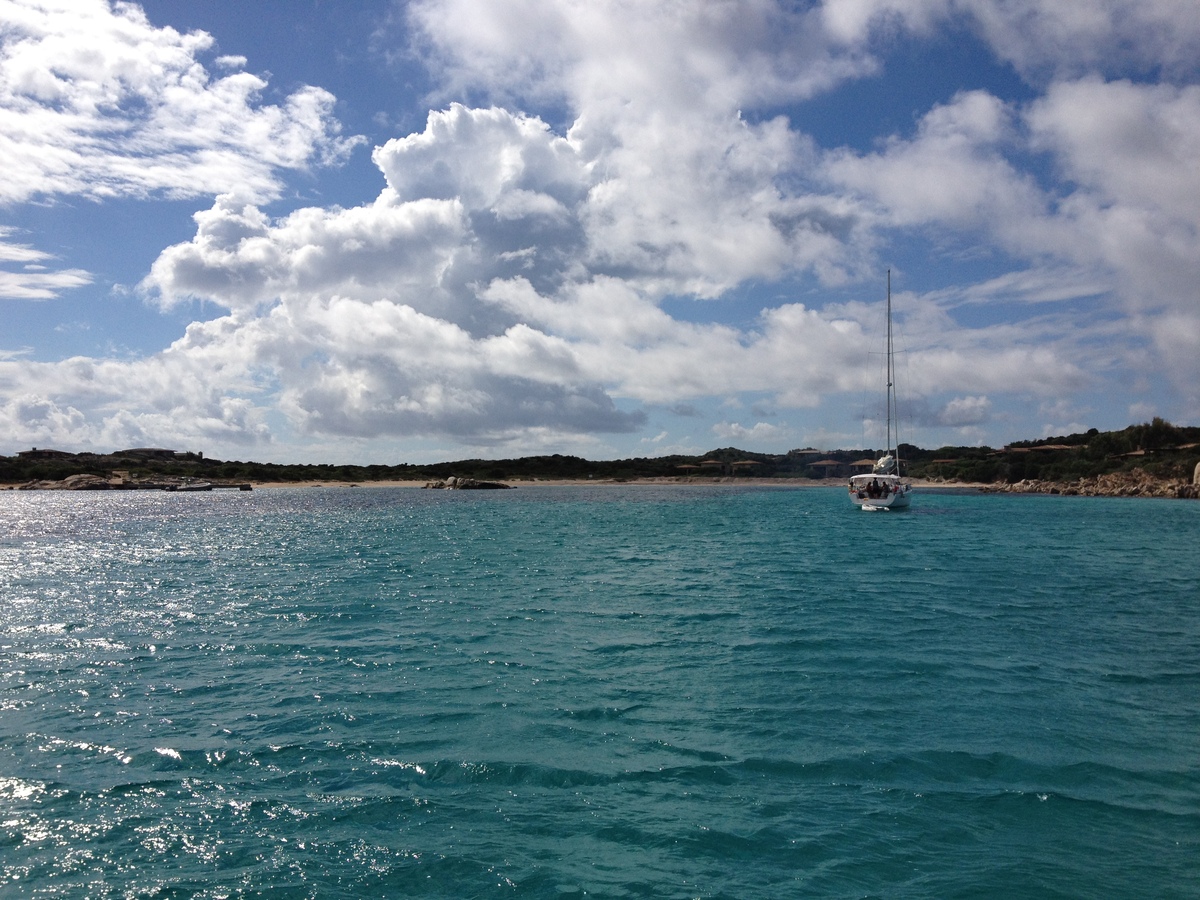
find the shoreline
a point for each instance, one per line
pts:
(681, 481)
(610, 482)
(1136, 484)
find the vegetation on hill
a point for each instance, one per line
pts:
(1160, 449)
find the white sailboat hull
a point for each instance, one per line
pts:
(879, 492)
(900, 501)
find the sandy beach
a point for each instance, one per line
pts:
(571, 482)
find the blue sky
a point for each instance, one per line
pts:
(381, 232)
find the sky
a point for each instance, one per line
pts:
(407, 232)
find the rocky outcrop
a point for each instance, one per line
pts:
(84, 482)
(466, 484)
(72, 483)
(1135, 483)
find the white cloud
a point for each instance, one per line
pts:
(170, 398)
(1129, 156)
(96, 102)
(1038, 285)
(1047, 36)
(758, 433)
(953, 173)
(1138, 412)
(962, 411)
(419, 313)
(853, 22)
(33, 285)
(348, 367)
(1042, 39)
(1133, 154)
(673, 55)
(507, 286)
(33, 419)
(33, 281)
(369, 319)
(686, 195)
(242, 260)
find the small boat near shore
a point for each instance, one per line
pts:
(884, 488)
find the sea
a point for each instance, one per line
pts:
(628, 691)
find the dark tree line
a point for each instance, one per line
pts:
(1162, 449)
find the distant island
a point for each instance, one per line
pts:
(1152, 459)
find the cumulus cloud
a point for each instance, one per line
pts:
(242, 260)
(37, 419)
(470, 298)
(508, 284)
(370, 320)
(688, 196)
(366, 369)
(169, 398)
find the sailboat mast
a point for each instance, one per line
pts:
(891, 382)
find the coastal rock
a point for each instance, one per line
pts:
(1134, 483)
(70, 483)
(86, 482)
(466, 484)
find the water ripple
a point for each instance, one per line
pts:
(622, 692)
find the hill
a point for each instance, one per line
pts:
(1159, 450)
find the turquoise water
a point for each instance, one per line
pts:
(610, 692)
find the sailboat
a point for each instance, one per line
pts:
(884, 487)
